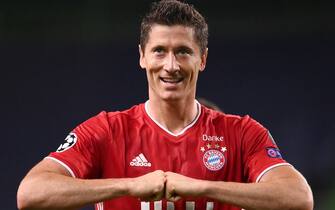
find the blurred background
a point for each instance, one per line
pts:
(64, 61)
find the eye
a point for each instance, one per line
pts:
(158, 50)
(184, 51)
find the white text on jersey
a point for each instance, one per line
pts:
(190, 205)
(140, 161)
(212, 138)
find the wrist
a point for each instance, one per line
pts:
(118, 187)
(199, 188)
(129, 184)
(205, 188)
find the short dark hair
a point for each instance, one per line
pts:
(173, 12)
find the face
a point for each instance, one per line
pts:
(172, 61)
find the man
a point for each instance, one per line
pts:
(170, 152)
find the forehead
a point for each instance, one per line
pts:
(171, 35)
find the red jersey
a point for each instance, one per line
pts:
(215, 146)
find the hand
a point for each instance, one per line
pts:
(149, 187)
(178, 186)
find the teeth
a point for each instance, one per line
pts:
(171, 80)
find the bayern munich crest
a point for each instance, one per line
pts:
(214, 160)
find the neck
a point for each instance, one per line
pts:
(173, 116)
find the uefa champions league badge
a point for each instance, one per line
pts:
(70, 141)
(214, 158)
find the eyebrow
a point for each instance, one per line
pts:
(186, 48)
(157, 47)
(182, 47)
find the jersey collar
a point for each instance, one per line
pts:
(146, 106)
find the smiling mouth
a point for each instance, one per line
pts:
(171, 80)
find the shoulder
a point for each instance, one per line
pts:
(132, 113)
(104, 120)
(121, 119)
(238, 124)
(231, 119)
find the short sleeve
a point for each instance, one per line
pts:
(81, 152)
(259, 150)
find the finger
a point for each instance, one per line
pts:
(170, 193)
(174, 198)
(148, 199)
(167, 194)
(159, 196)
(153, 198)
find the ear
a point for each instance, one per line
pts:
(142, 60)
(203, 60)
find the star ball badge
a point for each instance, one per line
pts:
(214, 158)
(70, 140)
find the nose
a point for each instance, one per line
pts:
(171, 64)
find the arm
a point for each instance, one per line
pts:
(49, 186)
(280, 188)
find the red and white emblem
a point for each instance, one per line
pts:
(214, 160)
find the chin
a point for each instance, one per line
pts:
(172, 97)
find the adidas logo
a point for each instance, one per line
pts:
(141, 161)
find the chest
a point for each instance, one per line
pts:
(205, 153)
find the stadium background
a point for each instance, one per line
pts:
(64, 61)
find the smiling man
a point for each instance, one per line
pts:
(169, 152)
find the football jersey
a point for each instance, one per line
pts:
(130, 143)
